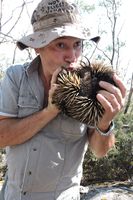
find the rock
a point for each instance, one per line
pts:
(84, 190)
(108, 193)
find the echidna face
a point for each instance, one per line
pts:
(76, 94)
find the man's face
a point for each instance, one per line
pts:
(63, 51)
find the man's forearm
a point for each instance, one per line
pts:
(99, 144)
(16, 131)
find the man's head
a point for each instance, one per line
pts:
(53, 19)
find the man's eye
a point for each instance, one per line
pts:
(61, 45)
(78, 45)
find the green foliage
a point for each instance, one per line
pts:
(85, 7)
(118, 164)
(2, 164)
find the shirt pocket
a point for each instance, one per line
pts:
(27, 105)
(72, 129)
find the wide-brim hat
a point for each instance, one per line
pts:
(53, 19)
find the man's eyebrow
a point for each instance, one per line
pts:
(61, 38)
(66, 37)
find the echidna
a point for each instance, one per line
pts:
(77, 89)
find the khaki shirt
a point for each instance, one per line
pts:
(49, 165)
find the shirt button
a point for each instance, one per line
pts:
(24, 193)
(30, 173)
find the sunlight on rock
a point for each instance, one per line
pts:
(118, 193)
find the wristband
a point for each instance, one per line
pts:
(109, 130)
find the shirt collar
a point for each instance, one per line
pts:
(34, 65)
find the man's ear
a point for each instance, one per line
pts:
(37, 50)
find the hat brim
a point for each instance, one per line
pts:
(43, 38)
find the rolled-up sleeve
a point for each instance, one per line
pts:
(8, 95)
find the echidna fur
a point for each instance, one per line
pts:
(77, 90)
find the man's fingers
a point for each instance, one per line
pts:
(54, 77)
(120, 85)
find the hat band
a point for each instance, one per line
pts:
(55, 21)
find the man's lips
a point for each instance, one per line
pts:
(71, 66)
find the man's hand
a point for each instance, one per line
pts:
(54, 85)
(112, 100)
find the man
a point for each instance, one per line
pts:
(45, 149)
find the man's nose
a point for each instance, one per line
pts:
(70, 56)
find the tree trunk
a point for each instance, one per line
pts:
(129, 96)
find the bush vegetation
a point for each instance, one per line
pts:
(2, 164)
(118, 164)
